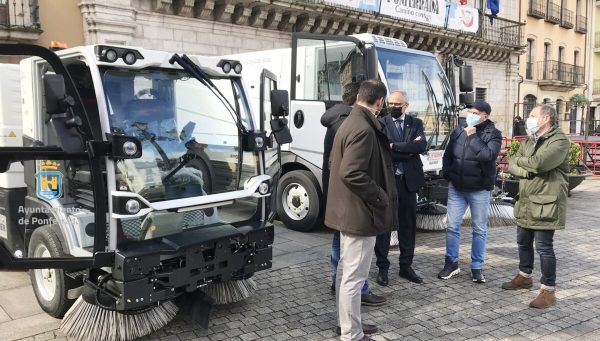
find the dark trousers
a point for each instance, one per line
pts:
(407, 219)
(543, 245)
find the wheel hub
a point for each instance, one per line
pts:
(45, 278)
(296, 203)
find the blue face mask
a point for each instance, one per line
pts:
(472, 119)
(533, 125)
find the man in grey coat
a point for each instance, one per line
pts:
(363, 185)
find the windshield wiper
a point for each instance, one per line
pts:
(431, 95)
(188, 65)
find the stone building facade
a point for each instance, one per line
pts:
(216, 27)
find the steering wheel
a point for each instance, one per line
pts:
(147, 94)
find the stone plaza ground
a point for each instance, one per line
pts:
(294, 303)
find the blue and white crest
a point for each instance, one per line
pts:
(49, 185)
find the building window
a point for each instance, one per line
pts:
(559, 108)
(481, 93)
(529, 59)
(546, 66)
(3, 12)
(528, 104)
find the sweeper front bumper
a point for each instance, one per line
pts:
(150, 271)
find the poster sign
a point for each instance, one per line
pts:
(367, 5)
(463, 18)
(432, 12)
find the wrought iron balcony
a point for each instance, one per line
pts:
(566, 20)
(553, 14)
(537, 9)
(596, 89)
(581, 26)
(555, 75)
(502, 31)
(19, 20)
(529, 70)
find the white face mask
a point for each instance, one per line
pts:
(533, 125)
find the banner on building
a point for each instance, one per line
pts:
(462, 17)
(432, 12)
(367, 5)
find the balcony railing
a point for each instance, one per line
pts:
(553, 14)
(502, 31)
(566, 20)
(528, 70)
(537, 9)
(19, 15)
(596, 89)
(597, 40)
(553, 70)
(581, 26)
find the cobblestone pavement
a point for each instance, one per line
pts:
(293, 301)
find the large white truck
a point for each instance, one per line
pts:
(314, 70)
(122, 170)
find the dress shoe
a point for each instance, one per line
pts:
(371, 299)
(382, 278)
(410, 274)
(367, 329)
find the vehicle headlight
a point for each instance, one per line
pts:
(263, 188)
(132, 206)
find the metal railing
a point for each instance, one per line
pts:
(581, 26)
(537, 9)
(596, 87)
(566, 19)
(15, 14)
(502, 31)
(553, 70)
(597, 39)
(528, 70)
(553, 13)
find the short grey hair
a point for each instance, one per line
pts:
(550, 111)
(401, 92)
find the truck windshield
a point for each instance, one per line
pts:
(410, 73)
(190, 140)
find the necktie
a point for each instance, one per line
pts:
(399, 165)
(399, 127)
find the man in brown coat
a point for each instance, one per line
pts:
(362, 200)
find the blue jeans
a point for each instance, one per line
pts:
(335, 259)
(479, 203)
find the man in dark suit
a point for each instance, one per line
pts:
(408, 142)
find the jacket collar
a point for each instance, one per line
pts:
(369, 116)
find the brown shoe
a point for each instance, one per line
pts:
(519, 282)
(545, 299)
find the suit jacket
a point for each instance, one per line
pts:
(407, 150)
(362, 197)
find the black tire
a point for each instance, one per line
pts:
(207, 175)
(48, 236)
(311, 218)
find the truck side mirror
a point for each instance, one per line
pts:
(280, 103)
(466, 99)
(466, 78)
(55, 94)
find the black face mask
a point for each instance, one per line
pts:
(395, 112)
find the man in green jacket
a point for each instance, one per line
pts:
(541, 207)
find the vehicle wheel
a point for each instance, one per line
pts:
(299, 201)
(49, 285)
(207, 177)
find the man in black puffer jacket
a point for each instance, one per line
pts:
(470, 168)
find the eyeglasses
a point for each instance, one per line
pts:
(401, 105)
(477, 113)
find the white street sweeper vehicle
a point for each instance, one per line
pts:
(121, 175)
(314, 70)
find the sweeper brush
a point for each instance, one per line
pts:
(501, 214)
(90, 322)
(231, 291)
(432, 218)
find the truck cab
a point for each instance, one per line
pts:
(127, 170)
(314, 70)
